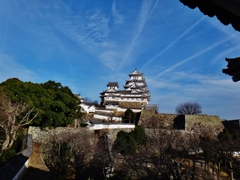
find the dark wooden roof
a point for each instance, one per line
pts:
(111, 102)
(136, 73)
(233, 68)
(95, 121)
(12, 167)
(227, 11)
(115, 84)
(9, 170)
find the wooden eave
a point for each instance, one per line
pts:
(227, 11)
(112, 84)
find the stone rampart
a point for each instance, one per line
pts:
(202, 123)
(151, 118)
(42, 135)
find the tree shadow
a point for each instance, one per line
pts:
(37, 174)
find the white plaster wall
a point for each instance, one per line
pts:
(112, 126)
(114, 118)
(124, 109)
(105, 110)
(92, 109)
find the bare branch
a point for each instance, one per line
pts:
(189, 108)
(26, 119)
(9, 111)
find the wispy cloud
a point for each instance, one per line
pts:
(118, 18)
(230, 52)
(155, 5)
(91, 35)
(160, 83)
(89, 30)
(221, 27)
(11, 68)
(173, 42)
(110, 35)
(145, 13)
(108, 58)
(5, 34)
(208, 90)
(195, 55)
(60, 45)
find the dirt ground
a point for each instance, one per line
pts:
(36, 168)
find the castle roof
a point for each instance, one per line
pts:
(114, 84)
(136, 73)
(135, 88)
(227, 11)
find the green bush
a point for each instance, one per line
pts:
(127, 143)
(7, 155)
(16, 147)
(139, 135)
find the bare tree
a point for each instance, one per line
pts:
(69, 153)
(13, 115)
(189, 108)
(168, 154)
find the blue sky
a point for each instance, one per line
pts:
(85, 44)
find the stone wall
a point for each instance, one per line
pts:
(151, 118)
(202, 123)
(39, 135)
(43, 135)
(113, 133)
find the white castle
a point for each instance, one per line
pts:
(135, 96)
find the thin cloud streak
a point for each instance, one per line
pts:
(60, 45)
(194, 56)
(224, 54)
(11, 68)
(143, 20)
(95, 37)
(173, 42)
(153, 9)
(118, 18)
(5, 34)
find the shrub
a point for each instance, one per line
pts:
(125, 144)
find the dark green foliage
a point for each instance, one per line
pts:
(7, 155)
(224, 135)
(127, 143)
(139, 135)
(129, 116)
(16, 147)
(83, 124)
(56, 104)
(64, 149)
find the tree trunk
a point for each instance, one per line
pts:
(6, 141)
(193, 171)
